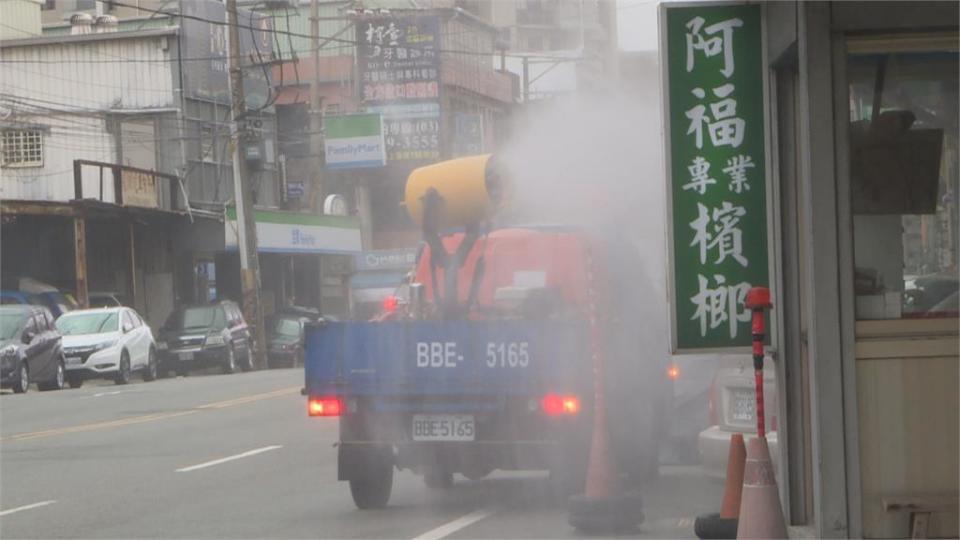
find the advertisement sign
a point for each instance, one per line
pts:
(399, 71)
(205, 44)
(717, 170)
(139, 188)
(386, 259)
(296, 189)
(354, 141)
(292, 232)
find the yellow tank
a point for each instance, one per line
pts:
(469, 187)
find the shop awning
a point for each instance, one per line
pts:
(295, 232)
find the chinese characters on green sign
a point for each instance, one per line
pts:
(717, 171)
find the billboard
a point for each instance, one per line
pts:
(716, 160)
(399, 74)
(204, 50)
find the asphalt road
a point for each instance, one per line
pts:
(235, 456)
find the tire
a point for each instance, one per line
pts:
(150, 372)
(372, 488)
(22, 383)
(75, 381)
(247, 364)
(438, 479)
(123, 373)
(230, 362)
(58, 379)
(298, 359)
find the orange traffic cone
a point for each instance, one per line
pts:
(604, 507)
(760, 513)
(724, 524)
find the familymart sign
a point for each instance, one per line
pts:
(291, 232)
(717, 170)
(354, 141)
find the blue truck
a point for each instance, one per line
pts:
(492, 363)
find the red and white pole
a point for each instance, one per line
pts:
(758, 301)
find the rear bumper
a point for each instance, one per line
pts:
(172, 358)
(713, 444)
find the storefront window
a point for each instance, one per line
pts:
(904, 180)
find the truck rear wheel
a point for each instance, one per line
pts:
(371, 488)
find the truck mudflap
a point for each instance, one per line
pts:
(461, 358)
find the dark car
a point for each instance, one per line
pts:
(30, 349)
(285, 340)
(205, 335)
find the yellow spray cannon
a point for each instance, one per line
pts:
(462, 192)
(456, 193)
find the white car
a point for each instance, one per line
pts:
(107, 343)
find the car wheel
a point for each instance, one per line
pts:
(75, 381)
(56, 383)
(298, 358)
(22, 383)
(123, 373)
(150, 372)
(230, 363)
(247, 364)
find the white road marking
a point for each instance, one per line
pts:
(115, 392)
(455, 525)
(27, 507)
(229, 458)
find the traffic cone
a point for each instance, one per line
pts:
(603, 508)
(760, 513)
(724, 524)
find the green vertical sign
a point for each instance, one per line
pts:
(717, 170)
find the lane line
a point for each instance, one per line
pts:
(151, 417)
(27, 507)
(115, 392)
(461, 522)
(229, 458)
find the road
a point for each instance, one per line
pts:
(235, 456)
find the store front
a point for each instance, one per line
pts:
(304, 260)
(863, 116)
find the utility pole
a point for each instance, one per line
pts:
(243, 195)
(316, 109)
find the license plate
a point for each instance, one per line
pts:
(74, 361)
(185, 356)
(742, 405)
(443, 427)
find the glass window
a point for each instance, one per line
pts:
(10, 324)
(75, 324)
(198, 318)
(904, 183)
(21, 148)
(287, 327)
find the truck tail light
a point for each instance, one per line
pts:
(324, 406)
(673, 372)
(390, 303)
(557, 405)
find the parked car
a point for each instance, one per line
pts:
(110, 343)
(204, 335)
(30, 349)
(107, 299)
(732, 410)
(57, 301)
(11, 297)
(285, 340)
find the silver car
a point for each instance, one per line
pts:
(733, 410)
